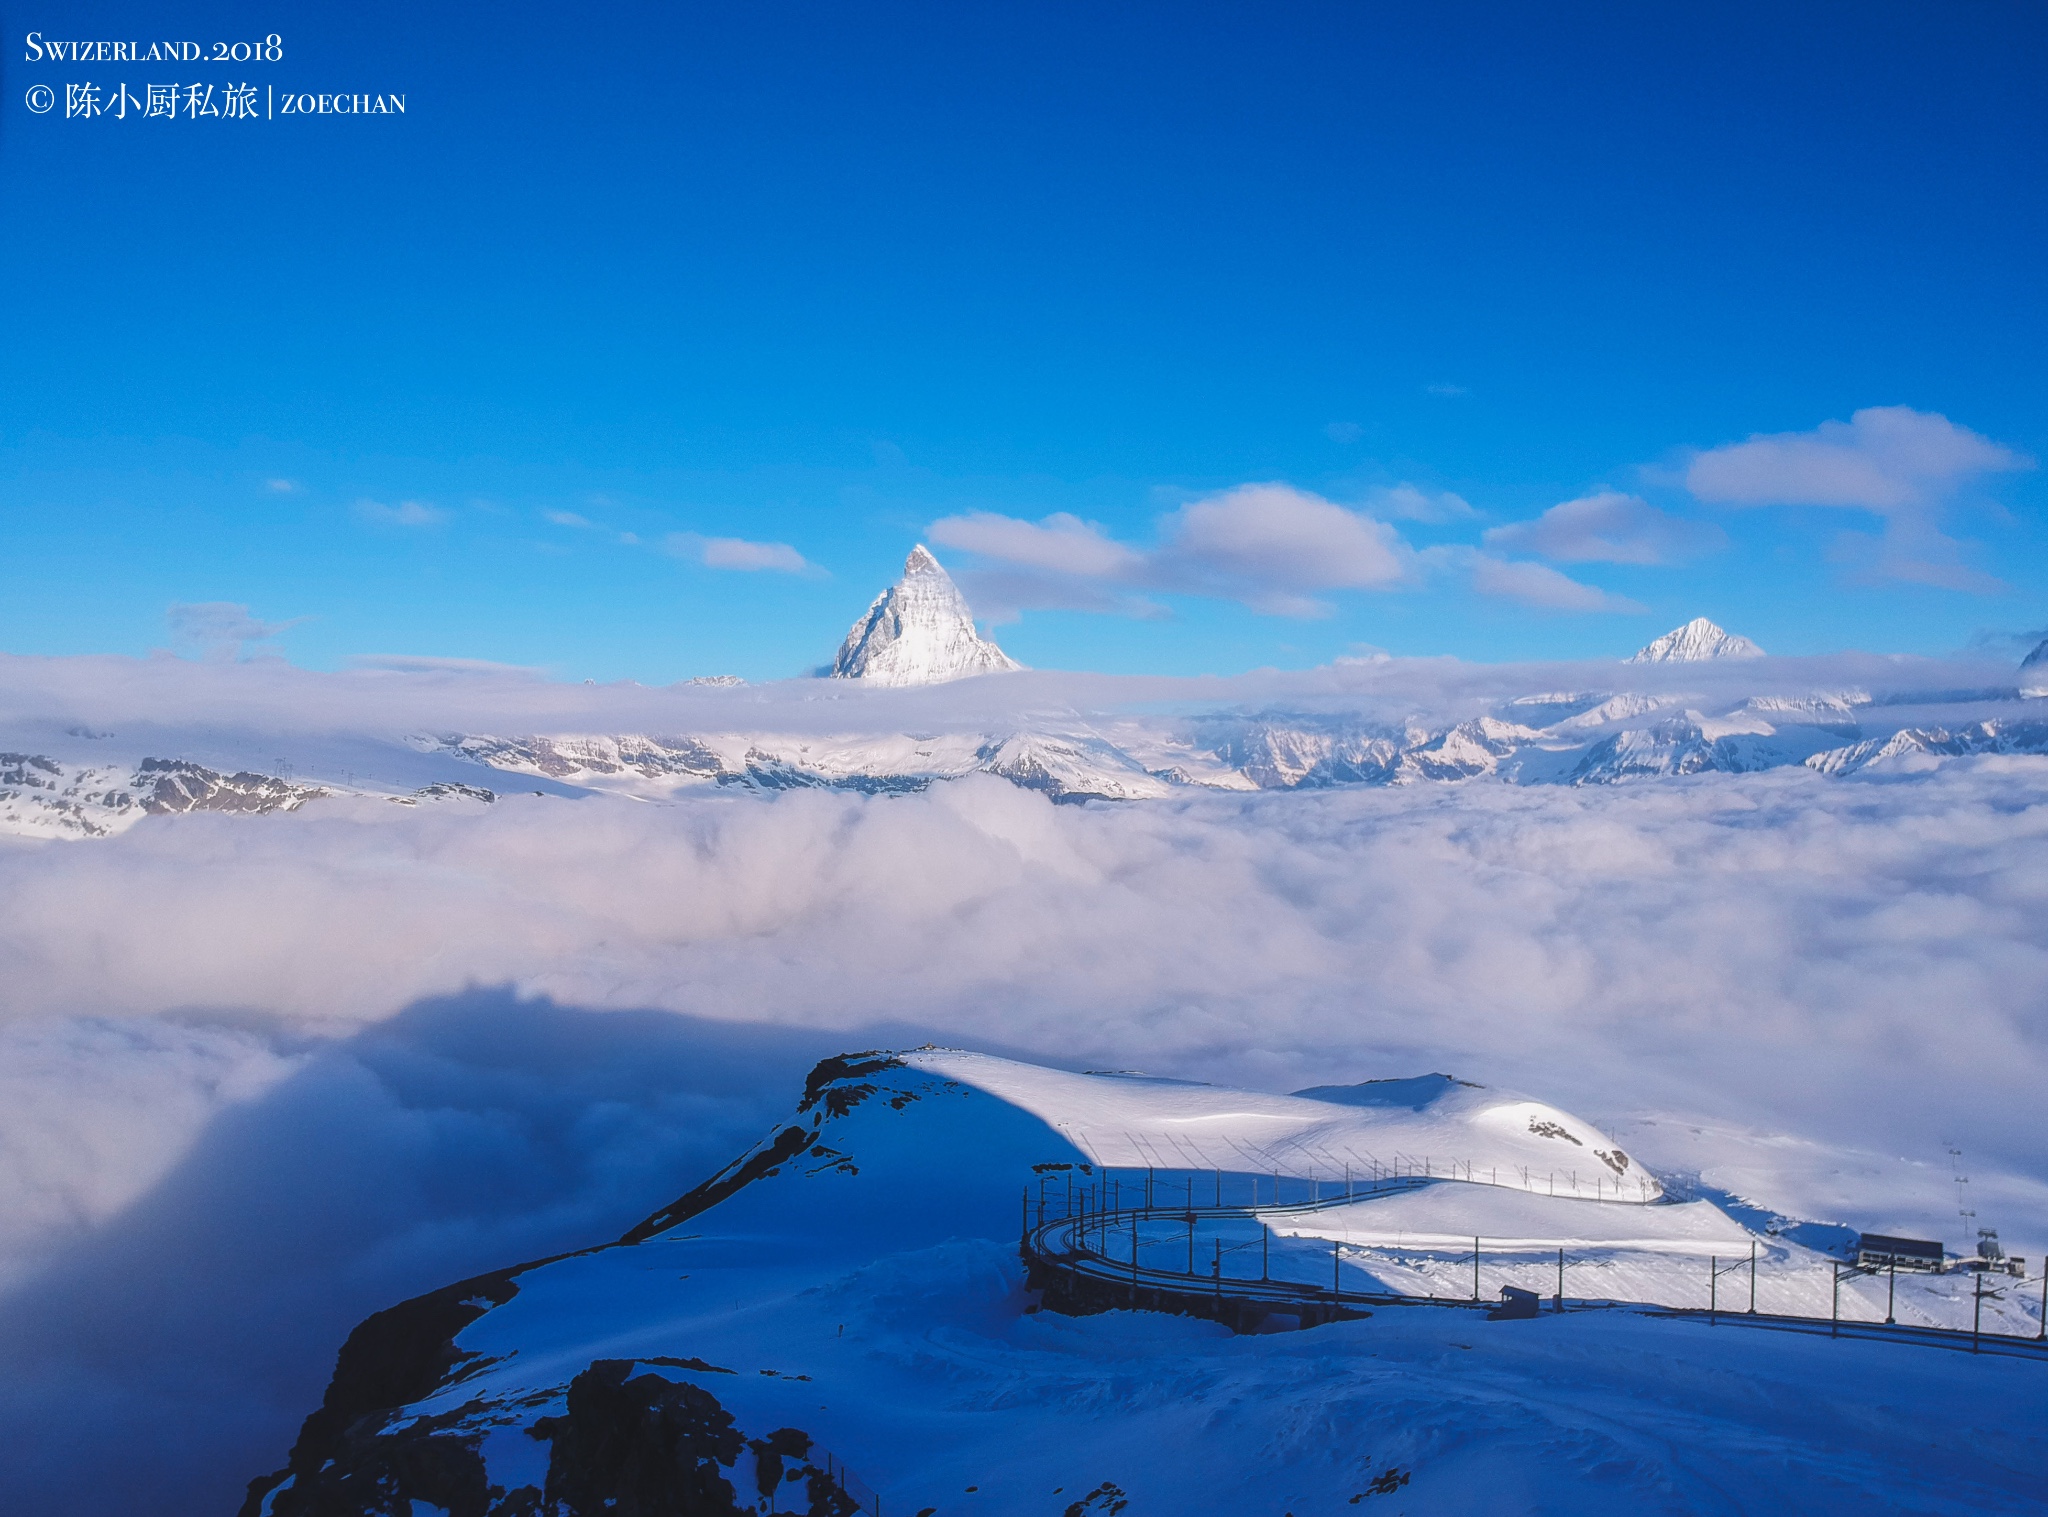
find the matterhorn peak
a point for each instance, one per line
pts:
(1697, 639)
(918, 632)
(2034, 671)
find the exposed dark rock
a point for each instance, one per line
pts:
(640, 1447)
(371, 1470)
(174, 786)
(784, 1146)
(850, 1066)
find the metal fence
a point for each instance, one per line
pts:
(1107, 1234)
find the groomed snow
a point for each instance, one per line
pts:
(1492, 1138)
(1451, 1214)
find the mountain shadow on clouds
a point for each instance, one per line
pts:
(151, 1365)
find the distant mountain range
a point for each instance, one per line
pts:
(1649, 717)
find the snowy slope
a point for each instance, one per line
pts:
(1455, 1129)
(918, 632)
(847, 1297)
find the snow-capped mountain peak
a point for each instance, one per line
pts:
(918, 632)
(2034, 671)
(1697, 639)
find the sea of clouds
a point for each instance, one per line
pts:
(262, 1075)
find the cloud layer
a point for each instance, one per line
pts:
(218, 1146)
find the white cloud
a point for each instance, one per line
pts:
(738, 553)
(283, 486)
(1268, 546)
(1446, 391)
(1405, 502)
(221, 628)
(1542, 587)
(1608, 527)
(1061, 543)
(569, 519)
(407, 513)
(1884, 459)
(1900, 464)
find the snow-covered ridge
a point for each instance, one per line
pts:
(1921, 748)
(1449, 1128)
(45, 797)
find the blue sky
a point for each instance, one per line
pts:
(645, 345)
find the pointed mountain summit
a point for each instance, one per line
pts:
(1697, 639)
(918, 632)
(2034, 671)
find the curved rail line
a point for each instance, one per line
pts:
(1068, 1262)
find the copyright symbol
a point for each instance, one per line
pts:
(40, 98)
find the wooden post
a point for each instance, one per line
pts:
(1558, 1300)
(1891, 1290)
(1265, 1252)
(1752, 1277)
(1475, 1269)
(1713, 1286)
